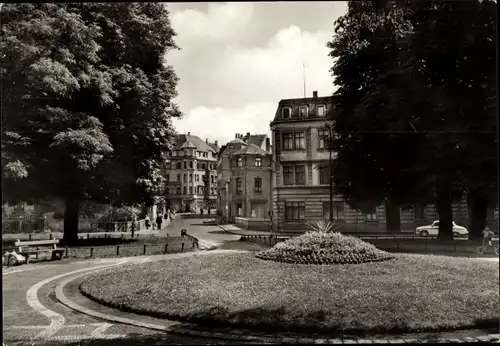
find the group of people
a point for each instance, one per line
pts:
(167, 216)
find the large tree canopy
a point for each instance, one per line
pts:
(87, 102)
(415, 95)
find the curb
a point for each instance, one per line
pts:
(195, 330)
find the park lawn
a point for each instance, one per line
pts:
(413, 293)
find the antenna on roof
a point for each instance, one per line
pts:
(304, 77)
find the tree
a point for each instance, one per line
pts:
(405, 117)
(206, 190)
(88, 102)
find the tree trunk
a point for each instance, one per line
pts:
(393, 217)
(71, 216)
(478, 203)
(444, 209)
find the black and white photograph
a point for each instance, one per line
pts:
(277, 172)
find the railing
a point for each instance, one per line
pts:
(34, 225)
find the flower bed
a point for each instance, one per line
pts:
(324, 248)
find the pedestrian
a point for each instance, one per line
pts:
(133, 226)
(208, 211)
(201, 211)
(147, 221)
(159, 221)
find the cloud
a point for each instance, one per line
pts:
(221, 22)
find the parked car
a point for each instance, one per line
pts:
(433, 229)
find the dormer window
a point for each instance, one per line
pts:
(240, 162)
(303, 111)
(287, 113)
(320, 111)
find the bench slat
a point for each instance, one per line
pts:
(37, 242)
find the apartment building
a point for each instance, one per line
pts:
(301, 185)
(186, 173)
(244, 180)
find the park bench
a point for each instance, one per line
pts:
(27, 248)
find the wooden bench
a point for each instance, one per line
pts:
(27, 248)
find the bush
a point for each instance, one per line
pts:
(324, 248)
(119, 214)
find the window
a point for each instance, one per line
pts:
(239, 186)
(203, 177)
(258, 184)
(322, 138)
(167, 177)
(212, 178)
(191, 190)
(258, 162)
(197, 177)
(231, 149)
(190, 164)
(293, 140)
(240, 162)
(239, 209)
(298, 140)
(419, 212)
(287, 175)
(185, 178)
(178, 165)
(371, 215)
(203, 166)
(169, 153)
(185, 164)
(338, 210)
(178, 190)
(303, 110)
(185, 190)
(295, 210)
(320, 110)
(300, 175)
(287, 112)
(178, 177)
(190, 178)
(324, 174)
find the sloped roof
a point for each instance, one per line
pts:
(256, 139)
(238, 141)
(251, 149)
(188, 145)
(214, 146)
(196, 143)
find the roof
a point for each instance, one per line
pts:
(257, 139)
(251, 149)
(193, 142)
(188, 145)
(214, 146)
(238, 141)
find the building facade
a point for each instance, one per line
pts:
(190, 172)
(300, 176)
(244, 180)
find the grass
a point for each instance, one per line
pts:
(324, 248)
(415, 293)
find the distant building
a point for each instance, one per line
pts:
(244, 181)
(300, 176)
(185, 173)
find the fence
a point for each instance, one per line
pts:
(37, 224)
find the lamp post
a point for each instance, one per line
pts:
(330, 167)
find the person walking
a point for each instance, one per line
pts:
(201, 211)
(147, 221)
(159, 221)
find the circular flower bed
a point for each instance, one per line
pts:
(324, 248)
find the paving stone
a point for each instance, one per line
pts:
(410, 341)
(455, 340)
(365, 341)
(396, 341)
(334, 341)
(380, 341)
(349, 341)
(305, 341)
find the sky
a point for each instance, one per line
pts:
(238, 60)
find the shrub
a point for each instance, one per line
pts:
(119, 214)
(324, 248)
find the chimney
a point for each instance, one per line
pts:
(268, 144)
(189, 133)
(235, 136)
(248, 135)
(216, 142)
(315, 94)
